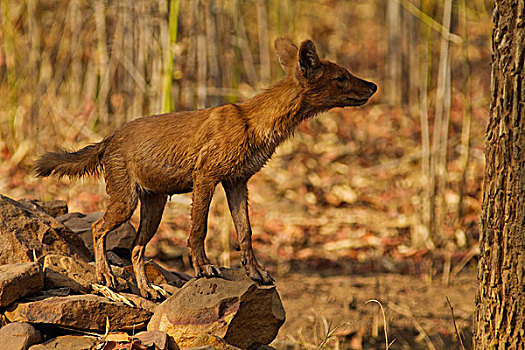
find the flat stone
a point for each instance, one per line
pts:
(232, 307)
(62, 271)
(68, 342)
(19, 280)
(83, 312)
(26, 231)
(18, 336)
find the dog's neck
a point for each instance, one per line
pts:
(274, 114)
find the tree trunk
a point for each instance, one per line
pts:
(501, 297)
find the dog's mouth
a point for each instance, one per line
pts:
(354, 102)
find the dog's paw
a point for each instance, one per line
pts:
(151, 293)
(258, 274)
(207, 270)
(106, 278)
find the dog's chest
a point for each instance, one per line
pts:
(254, 162)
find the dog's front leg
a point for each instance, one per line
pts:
(237, 194)
(203, 189)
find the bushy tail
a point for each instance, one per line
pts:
(86, 161)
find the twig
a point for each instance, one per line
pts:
(387, 344)
(76, 330)
(329, 332)
(160, 290)
(429, 21)
(464, 261)
(425, 133)
(264, 51)
(420, 329)
(454, 321)
(103, 61)
(108, 293)
(445, 279)
(438, 165)
(467, 111)
(107, 327)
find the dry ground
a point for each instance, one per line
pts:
(417, 312)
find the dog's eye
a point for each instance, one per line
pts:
(341, 78)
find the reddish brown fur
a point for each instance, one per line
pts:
(156, 156)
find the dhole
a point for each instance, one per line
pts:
(151, 158)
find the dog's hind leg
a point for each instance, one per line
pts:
(122, 202)
(151, 209)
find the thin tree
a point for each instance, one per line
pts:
(501, 272)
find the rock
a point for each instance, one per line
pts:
(83, 312)
(19, 336)
(19, 280)
(169, 288)
(52, 208)
(25, 232)
(140, 302)
(232, 307)
(47, 293)
(116, 260)
(69, 342)
(264, 347)
(63, 271)
(154, 338)
(119, 240)
(206, 341)
(158, 275)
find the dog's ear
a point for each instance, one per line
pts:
(309, 62)
(287, 53)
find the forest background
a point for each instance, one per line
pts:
(393, 186)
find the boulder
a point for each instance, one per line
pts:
(69, 342)
(26, 232)
(233, 307)
(119, 240)
(82, 312)
(19, 280)
(63, 271)
(19, 336)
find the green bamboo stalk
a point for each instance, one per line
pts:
(166, 103)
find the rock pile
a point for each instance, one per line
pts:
(49, 297)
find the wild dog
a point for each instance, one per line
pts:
(151, 158)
